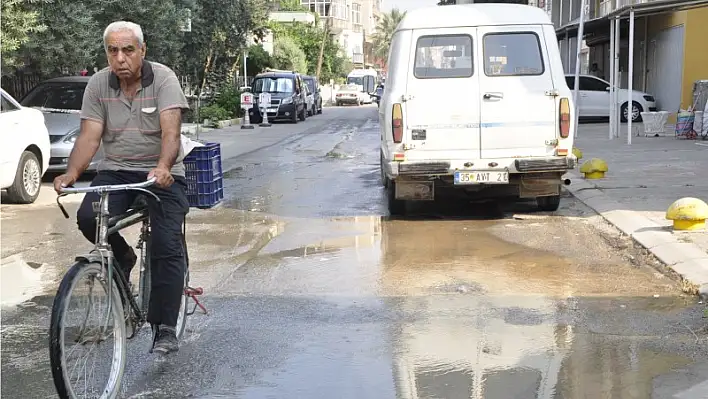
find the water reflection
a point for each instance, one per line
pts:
(485, 318)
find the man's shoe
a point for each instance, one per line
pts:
(165, 340)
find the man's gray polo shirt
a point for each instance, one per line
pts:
(132, 137)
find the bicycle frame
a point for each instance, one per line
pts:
(104, 230)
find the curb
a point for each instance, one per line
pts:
(687, 260)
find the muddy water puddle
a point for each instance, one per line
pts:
(500, 308)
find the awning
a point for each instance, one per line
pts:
(571, 28)
(640, 9)
(656, 7)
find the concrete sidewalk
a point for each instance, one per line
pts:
(643, 180)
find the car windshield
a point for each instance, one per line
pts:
(355, 80)
(60, 96)
(310, 85)
(273, 85)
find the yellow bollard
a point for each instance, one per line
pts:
(594, 168)
(688, 214)
(578, 154)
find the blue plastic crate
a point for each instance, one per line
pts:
(205, 181)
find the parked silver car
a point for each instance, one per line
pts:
(60, 101)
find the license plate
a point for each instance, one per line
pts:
(481, 177)
(272, 109)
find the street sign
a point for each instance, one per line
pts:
(264, 100)
(246, 100)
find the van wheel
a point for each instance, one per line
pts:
(395, 207)
(319, 110)
(549, 203)
(303, 114)
(384, 179)
(28, 180)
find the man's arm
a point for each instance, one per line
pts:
(92, 119)
(171, 124)
(170, 102)
(85, 147)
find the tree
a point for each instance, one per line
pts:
(287, 55)
(64, 47)
(258, 60)
(309, 38)
(220, 32)
(384, 32)
(291, 5)
(19, 22)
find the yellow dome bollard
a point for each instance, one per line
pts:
(594, 168)
(578, 154)
(688, 214)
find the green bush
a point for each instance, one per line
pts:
(229, 98)
(214, 113)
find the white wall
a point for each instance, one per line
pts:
(351, 42)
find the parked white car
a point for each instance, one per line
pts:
(350, 94)
(475, 102)
(24, 155)
(595, 99)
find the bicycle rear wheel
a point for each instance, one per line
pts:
(65, 338)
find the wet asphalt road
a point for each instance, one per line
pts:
(314, 293)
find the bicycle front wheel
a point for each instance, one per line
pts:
(96, 326)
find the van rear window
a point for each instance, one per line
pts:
(512, 54)
(443, 56)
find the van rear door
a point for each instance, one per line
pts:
(518, 116)
(441, 111)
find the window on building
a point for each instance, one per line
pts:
(443, 56)
(356, 13)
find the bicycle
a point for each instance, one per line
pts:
(123, 305)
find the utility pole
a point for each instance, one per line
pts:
(322, 45)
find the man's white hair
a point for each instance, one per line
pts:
(121, 26)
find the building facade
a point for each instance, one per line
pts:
(352, 23)
(667, 56)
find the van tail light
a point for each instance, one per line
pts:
(564, 117)
(397, 123)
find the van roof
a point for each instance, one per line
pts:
(487, 14)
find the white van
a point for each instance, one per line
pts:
(476, 100)
(366, 79)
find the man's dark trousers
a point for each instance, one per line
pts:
(168, 258)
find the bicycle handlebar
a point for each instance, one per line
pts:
(109, 188)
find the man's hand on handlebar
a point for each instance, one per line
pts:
(163, 176)
(63, 181)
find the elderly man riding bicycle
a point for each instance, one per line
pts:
(134, 107)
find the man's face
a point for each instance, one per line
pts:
(125, 54)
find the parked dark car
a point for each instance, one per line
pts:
(314, 87)
(287, 97)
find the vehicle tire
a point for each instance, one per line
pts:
(60, 368)
(303, 113)
(182, 315)
(636, 112)
(28, 180)
(293, 117)
(395, 207)
(384, 179)
(319, 110)
(549, 203)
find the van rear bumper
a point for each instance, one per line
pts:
(448, 167)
